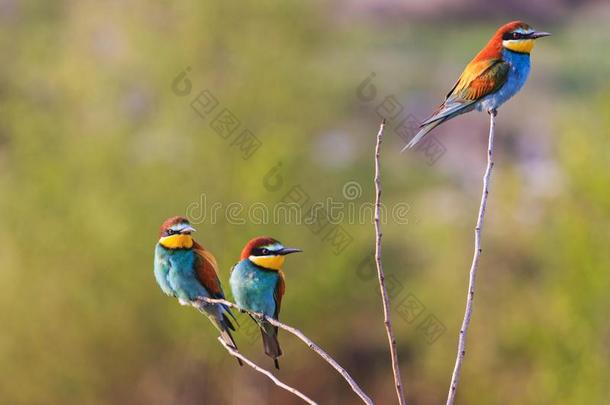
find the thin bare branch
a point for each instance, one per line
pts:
(261, 370)
(384, 292)
(461, 351)
(305, 339)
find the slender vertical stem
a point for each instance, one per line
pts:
(384, 293)
(461, 351)
(269, 375)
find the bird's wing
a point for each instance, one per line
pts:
(206, 271)
(479, 79)
(278, 294)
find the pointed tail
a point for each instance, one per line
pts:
(225, 326)
(228, 338)
(423, 132)
(271, 344)
(447, 111)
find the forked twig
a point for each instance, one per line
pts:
(261, 370)
(305, 339)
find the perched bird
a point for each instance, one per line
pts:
(496, 74)
(185, 270)
(257, 283)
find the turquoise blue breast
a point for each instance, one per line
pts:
(517, 76)
(253, 288)
(175, 273)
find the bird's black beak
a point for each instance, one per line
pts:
(539, 34)
(287, 251)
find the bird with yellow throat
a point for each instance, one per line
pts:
(257, 283)
(495, 74)
(185, 270)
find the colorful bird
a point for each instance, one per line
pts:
(496, 74)
(185, 270)
(257, 283)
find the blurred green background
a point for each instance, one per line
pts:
(97, 149)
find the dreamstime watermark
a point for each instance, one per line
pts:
(325, 218)
(291, 210)
(224, 122)
(334, 236)
(405, 303)
(408, 126)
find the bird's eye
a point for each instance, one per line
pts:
(516, 35)
(264, 251)
(171, 232)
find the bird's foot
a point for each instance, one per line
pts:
(492, 111)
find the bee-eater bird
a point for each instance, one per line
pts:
(496, 74)
(257, 283)
(185, 270)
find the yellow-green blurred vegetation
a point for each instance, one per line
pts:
(96, 151)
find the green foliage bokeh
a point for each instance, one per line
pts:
(96, 150)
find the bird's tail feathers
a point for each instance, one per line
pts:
(228, 322)
(225, 326)
(271, 344)
(423, 132)
(228, 338)
(445, 113)
(227, 311)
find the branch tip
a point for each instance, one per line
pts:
(380, 274)
(461, 350)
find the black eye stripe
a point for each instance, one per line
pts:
(515, 35)
(261, 252)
